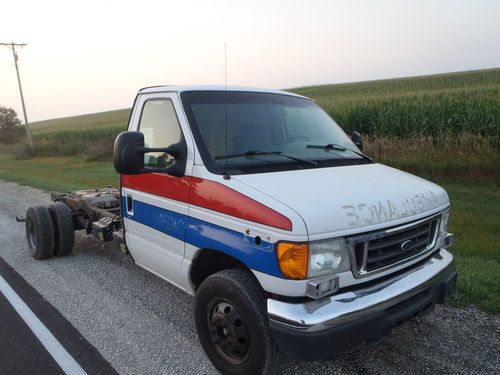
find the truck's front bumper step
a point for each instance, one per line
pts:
(327, 327)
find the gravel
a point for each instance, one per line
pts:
(142, 324)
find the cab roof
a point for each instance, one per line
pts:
(180, 89)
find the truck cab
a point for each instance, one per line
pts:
(289, 237)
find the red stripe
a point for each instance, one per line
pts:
(207, 194)
(218, 197)
(164, 185)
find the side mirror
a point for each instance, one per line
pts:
(357, 140)
(129, 150)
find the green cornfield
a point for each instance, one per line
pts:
(92, 143)
(446, 108)
(440, 106)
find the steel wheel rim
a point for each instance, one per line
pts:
(228, 331)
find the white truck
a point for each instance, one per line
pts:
(258, 204)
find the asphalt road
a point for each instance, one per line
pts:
(21, 351)
(140, 324)
(35, 338)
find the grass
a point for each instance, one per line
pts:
(445, 128)
(58, 173)
(475, 221)
(465, 157)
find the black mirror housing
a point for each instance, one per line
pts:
(128, 157)
(357, 140)
(129, 150)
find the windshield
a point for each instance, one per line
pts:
(251, 132)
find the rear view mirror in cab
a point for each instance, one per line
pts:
(357, 140)
(129, 154)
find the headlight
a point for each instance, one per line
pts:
(445, 238)
(299, 261)
(445, 218)
(328, 256)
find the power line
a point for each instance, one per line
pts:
(29, 140)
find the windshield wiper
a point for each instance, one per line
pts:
(256, 153)
(336, 147)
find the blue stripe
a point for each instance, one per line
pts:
(169, 222)
(205, 235)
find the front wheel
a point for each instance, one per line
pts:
(232, 324)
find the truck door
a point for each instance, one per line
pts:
(155, 205)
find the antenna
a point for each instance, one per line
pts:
(225, 66)
(225, 94)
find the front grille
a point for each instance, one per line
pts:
(379, 250)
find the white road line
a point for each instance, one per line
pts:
(56, 350)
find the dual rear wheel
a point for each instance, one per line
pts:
(49, 230)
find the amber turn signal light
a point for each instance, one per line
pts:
(292, 259)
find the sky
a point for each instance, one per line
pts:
(92, 56)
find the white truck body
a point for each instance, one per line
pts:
(169, 220)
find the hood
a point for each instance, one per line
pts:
(343, 200)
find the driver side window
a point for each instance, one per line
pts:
(161, 128)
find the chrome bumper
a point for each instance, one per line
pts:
(342, 308)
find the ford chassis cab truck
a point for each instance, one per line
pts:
(257, 204)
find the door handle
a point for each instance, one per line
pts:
(130, 205)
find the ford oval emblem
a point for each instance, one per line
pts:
(407, 245)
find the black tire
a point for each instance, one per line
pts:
(232, 324)
(64, 236)
(40, 232)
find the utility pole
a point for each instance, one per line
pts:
(29, 140)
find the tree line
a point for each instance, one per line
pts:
(11, 130)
